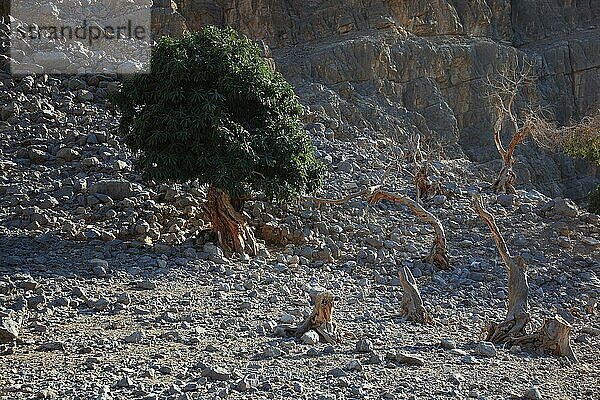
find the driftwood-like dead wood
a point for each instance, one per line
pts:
(363, 193)
(412, 307)
(554, 335)
(321, 320)
(554, 338)
(517, 318)
(438, 254)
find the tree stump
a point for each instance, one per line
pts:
(412, 307)
(517, 317)
(229, 223)
(321, 320)
(554, 337)
(438, 255)
(425, 188)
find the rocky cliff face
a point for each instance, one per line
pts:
(398, 67)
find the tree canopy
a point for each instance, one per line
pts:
(212, 109)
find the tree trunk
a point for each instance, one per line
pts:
(439, 253)
(517, 317)
(426, 189)
(505, 182)
(229, 223)
(412, 307)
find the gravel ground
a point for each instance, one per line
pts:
(112, 289)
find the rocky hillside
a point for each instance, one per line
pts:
(398, 67)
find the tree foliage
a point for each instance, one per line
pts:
(212, 109)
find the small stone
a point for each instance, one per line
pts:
(337, 372)
(124, 298)
(9, 330)
(145, 285)
(354, 366)
(48, 394)
(448, 344)
(375, 358)
(409, 359)
(52, 346)
(439, 199)
(101, 304)
(590, 330)
(99, 267)
(364, 346)
(287, 319)
(506, 200)
(533, 393)
(125, 382)
(216, 373)
(247, 383)
(272, 352)
(486, 349)
(298, 388)
(310, 337)
(469, 360)
(135, 337)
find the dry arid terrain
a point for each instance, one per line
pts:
(112, 288)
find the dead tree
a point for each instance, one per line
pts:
(554, 335)
(517, 317)
(438, 255)
(412, 307)
(503, 91)
(321, 320)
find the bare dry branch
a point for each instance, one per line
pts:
(439, 253)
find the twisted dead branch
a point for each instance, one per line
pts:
(503, 91)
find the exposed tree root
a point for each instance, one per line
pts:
(229, 223)
(554, 337)
(412, 307)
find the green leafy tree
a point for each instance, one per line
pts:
(213, 110)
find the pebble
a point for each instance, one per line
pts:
(216, 373)
(486, 349)
(135, 337)
(310, 337)
(364, 346)
(533, 393)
